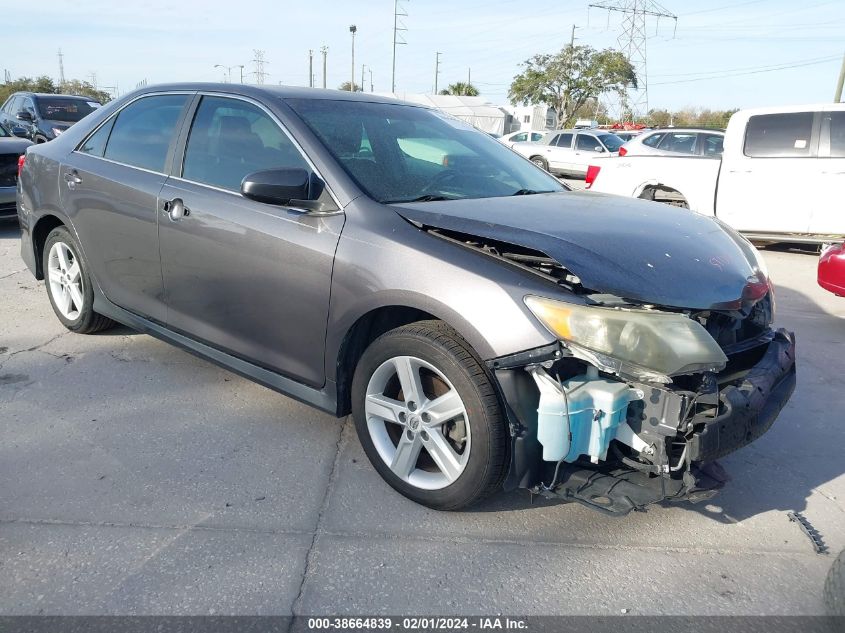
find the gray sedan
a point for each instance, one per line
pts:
(485, 326)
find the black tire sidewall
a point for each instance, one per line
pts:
(476, 477)
(86, 314)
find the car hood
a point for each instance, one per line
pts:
(643, 251)
(13, 145)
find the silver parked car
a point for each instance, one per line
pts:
(570, 152)
(485, 326)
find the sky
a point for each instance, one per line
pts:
(721, 54)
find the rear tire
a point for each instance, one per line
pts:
(541, 162)
(68, 283)
(445, 445)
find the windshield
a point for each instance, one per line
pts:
(67, 110)
(401, 153)
(612, 142)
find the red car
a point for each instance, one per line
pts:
(832, 268)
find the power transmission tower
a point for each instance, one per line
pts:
(436, 69)
(325, 51)
(93, 77)
(61, 69)
(7, 76)
(632, 43)
(398, 25)
(259, 62)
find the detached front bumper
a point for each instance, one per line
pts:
(688, 430)
(748, 409)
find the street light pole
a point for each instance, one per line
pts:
(363, 66)
(371, 79)
(352, 29)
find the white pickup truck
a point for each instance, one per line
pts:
(781, 176)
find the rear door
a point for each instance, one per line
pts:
(559, 152)
(248, 278)
(110, 186)
(828, 217)
(767, 184)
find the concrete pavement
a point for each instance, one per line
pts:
(138, 479)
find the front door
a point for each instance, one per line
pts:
(248, 278)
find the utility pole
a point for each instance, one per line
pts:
(259, 62)
(436, 70)
(398, 12)
(310, 68)
(469, 77)
(371, 79)
(61, 69)
(352, 29)
(837, 97)
(363, 66)
(325, 51)
(632, 42)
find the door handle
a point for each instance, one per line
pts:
(72, 179)
(176, 209)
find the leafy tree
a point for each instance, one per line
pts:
(45, 84)
(345, 86)
(85, 89)
(461, 88)
(566, 80)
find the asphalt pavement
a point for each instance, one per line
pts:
(138, 479)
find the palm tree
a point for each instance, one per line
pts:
(461, 88)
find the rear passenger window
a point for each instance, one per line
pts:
(771, 135)
(837, 134)
(519, 138)
(712, 144)
(231, 138)
(96, 143)
(680, 142)
(536, 136)
(653, 140)
(143, 130)
(564, 140)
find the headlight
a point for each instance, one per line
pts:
(57, 131)
(664, 343)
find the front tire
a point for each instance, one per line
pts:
(69, 285)
(428, 416)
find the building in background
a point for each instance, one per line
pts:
(531, 117)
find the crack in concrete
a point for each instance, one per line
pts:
(439, 539)
(14, 272)
(34, 348)
(318, 527)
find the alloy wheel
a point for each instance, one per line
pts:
(417, 422)
(65, 278)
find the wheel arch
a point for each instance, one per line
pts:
(375, 322)
(40, 231)
(647, 191)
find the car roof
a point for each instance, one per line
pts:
(51, 95)
(713, 130)
(810, 107)
(279, 92)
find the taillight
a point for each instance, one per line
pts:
(21, 161)
(592, 172)
(622, 151)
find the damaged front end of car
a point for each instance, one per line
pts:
(635, 405)
(665, 357)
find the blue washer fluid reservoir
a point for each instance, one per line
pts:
(584, 419)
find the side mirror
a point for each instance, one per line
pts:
(23, 115)
(296, 187)
(598, 148)
(20, 132)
